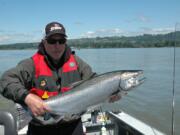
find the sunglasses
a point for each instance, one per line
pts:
(54, 41)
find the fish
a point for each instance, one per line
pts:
(89, 93)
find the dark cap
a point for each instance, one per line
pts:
(55, 28)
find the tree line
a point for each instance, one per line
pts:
(142, 41)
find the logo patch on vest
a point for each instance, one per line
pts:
(71, 64)
(45, 95)
(43, 83)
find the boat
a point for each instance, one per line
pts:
(118, 123)
(100, 123)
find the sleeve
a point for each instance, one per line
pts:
(84, 68)
(16, 81)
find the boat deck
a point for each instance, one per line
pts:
(108, 123)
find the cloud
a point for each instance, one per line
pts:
(140, 18)
(143, 18)
(120, 32)
(147, 30)
(4, 38)
(7, 37)
(103, 33)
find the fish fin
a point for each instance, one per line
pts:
(119, 92)
(80, 82)
(76, 84)
(116, 92)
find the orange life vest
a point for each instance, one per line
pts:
(46, 81)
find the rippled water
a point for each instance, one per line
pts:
(150, 102)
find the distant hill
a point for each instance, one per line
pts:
(146, 40)
(19, 46)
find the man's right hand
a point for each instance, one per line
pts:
(36, 104)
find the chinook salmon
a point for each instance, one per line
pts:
(89, 93)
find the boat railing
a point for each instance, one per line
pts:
(7, 121)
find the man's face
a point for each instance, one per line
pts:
(55, 46)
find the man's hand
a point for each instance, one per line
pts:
(36, 104)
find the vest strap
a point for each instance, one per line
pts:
(43, 93)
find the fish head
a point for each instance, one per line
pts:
(130, 79)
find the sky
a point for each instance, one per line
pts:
(24, 20)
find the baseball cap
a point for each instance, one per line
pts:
(55, 28)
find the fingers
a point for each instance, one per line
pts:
(46, 108)
(36, 104)
(38, 109)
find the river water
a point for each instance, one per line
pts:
(152, 101)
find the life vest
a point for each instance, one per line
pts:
(49, 83)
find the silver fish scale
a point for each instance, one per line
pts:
(92, 92)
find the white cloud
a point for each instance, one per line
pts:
(14, 37)
(156, 30)
(143, 18)
(89, 34)
(103, 33)
(4, 38)
(120, 32)
(140, 19)
(36, 36)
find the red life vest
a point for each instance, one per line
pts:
(45, 80)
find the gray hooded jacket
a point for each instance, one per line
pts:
(16, 82)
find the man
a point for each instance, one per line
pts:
(47, 73)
